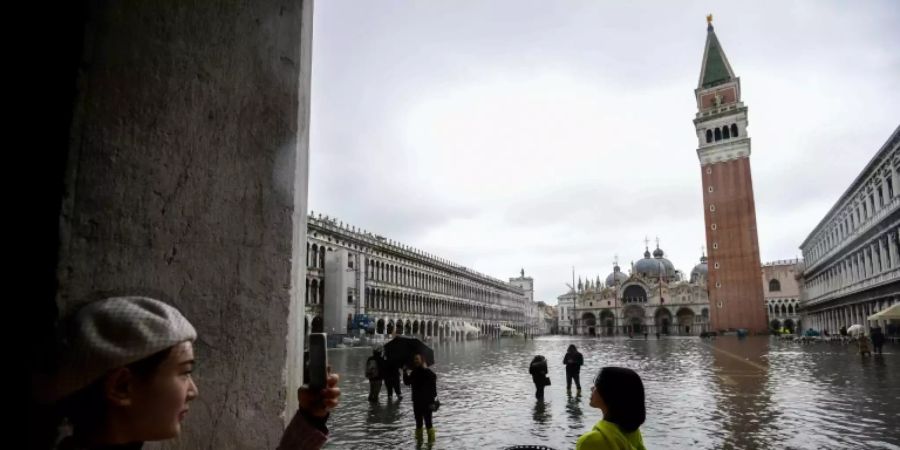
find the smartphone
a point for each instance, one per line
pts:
(318, 361)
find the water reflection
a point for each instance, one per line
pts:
(541, 414)
(573, 411)
(740, 375)
(725, 393)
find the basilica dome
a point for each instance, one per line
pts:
(616, 277)
(656, 266)
(700, 271)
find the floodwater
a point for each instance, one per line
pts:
(724, 393)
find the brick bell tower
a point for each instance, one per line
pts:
(735, 291)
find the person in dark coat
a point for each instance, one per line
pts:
(877, 339)
(538, 371)
(375, 370)
(391, 376)
(573, 361)
(423, 383)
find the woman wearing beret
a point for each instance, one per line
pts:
(125, 378)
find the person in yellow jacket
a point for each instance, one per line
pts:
(619, 393)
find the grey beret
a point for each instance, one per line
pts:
(112, 333)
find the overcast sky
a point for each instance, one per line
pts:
(546, 135)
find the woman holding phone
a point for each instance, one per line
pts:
(125, 377)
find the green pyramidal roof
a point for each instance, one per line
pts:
(716, 69)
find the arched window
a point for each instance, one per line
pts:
(718, 135)
(709, 136)
(726, 133)
(734, 130)
(774, 286)
(783, 309)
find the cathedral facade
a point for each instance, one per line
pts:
(653, 298)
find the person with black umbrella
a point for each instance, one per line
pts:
(399, 352)
(423, 383)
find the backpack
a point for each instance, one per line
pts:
(371, 368)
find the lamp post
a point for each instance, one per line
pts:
(615, 296)
(574, 304)
(662, 301)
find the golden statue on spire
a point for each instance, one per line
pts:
(709, 19)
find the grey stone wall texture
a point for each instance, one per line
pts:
(186, 180)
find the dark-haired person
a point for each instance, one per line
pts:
(619, 393)
(423, 383)
(573, 362)
(538, 370)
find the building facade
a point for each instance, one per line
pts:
(780, 282)
(551, 318)
(735, 296)
(354, 275)
(852, 257)
(565, 306)
(653, 298)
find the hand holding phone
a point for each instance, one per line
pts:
(318, 361)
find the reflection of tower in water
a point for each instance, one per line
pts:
(743, 401)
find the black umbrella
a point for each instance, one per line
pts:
(401, 349)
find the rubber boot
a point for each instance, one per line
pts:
(419, 435)
(431, 435)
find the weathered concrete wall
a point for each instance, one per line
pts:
(187, 180)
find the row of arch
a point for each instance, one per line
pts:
(789, 324)
(424, 328)
(634, 320)
(782, 307)
(315, 291)
(315, 255)
(394, 301)
(725, 132)
(391, 301)
(872, 196)
(637, 294)
(386, 272)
